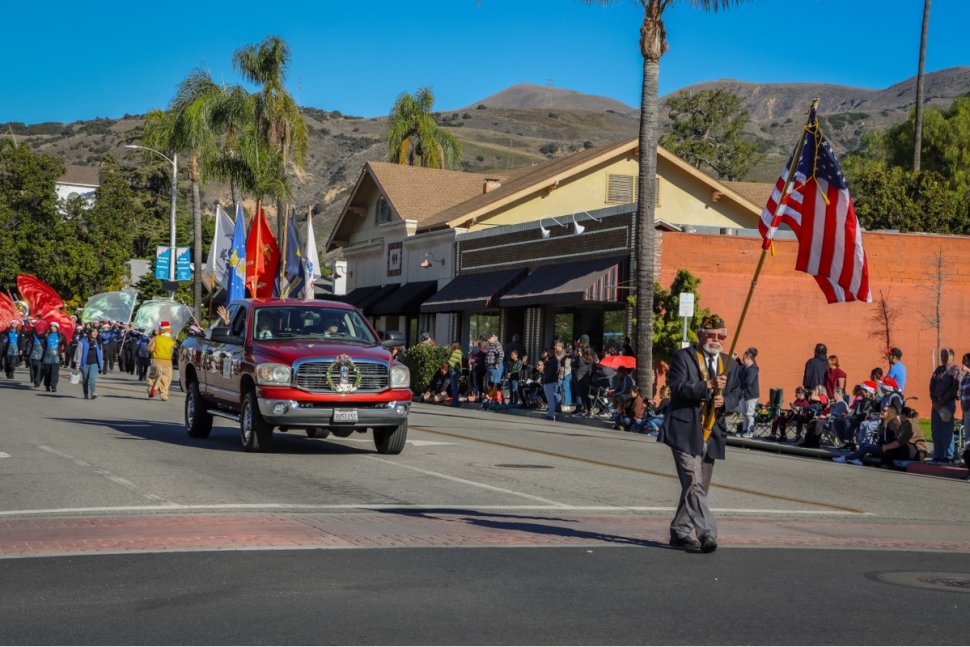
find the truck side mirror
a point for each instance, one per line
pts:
(223, 335)
(394, 339)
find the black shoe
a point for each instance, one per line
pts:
(708, 545)
(53, 389)
(686, 543)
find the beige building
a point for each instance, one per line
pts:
(398, 229)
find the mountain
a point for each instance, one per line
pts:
(526, 95)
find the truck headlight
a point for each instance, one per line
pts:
(400, 377)
(273, 374)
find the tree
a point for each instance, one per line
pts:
(279, 123)
(884, 321)
(653, 45)
(939, 273)
(413, 134)
(908, 201)
(920, 83)
(708, 133)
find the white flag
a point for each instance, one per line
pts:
(217, 266)
(312, 260)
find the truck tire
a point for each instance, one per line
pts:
(256, 435)
(390, 440)
(317, 432)
(198, 420)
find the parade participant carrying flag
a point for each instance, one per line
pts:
(236, 274)
(293, 275)
(311, 258)
(262, 257)
(812, 197)
(217, 265)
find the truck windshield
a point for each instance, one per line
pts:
(308, 322)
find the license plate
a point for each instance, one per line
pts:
(345, 415)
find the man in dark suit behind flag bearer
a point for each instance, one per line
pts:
(704, 385)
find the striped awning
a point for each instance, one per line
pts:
(474, 291)
(597, 280)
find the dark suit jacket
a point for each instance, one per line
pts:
(681, 428)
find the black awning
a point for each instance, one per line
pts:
(596, 280)
(357, 295)
(474, 291)
(375, 297)
(406, 300)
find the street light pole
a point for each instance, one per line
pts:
(173, 250)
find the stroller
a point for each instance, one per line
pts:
(532, 395)
(601, 391)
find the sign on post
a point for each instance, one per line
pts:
(163, 256)
(183, 263)
(686, 311)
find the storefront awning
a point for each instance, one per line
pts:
(367, 302)
(357, 295)
(474, 291)
(569, 283)
(406, 300)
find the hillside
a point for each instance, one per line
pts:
(522, 126)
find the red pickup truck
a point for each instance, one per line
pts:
(316, 366)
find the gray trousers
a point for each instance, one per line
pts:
(692, 512)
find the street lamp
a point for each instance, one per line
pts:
(172, 252)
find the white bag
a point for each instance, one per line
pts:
(75, 377)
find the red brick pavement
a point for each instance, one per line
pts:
(82, 535)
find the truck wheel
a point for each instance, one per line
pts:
(255, 434)
(390, 440)
(317, 432)
(198, 421)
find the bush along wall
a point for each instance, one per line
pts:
(423, 360)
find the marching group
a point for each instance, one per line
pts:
(95, 348)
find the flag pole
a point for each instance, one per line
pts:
(711, 415)
(286, 231)
(212, 279)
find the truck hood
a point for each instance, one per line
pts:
(287, 352)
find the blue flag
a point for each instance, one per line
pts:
(294, 269)
(236, 288)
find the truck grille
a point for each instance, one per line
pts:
(312, 376)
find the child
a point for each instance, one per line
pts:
(493, 399)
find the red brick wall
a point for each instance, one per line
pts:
(788, 313)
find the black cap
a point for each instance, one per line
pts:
(751, 352)
(713, 322)
(895, 352)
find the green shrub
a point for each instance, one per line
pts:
(423, 360)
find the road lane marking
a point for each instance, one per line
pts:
(455, 479)
(4, 455)
(368, 441)
(175, 507)
(641, 470)
(114, 478)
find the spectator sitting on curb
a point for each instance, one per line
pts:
(833, 418)
(631, 418)
(799, 412)
(623, 391)
(888, 429)
(865, 409)
(438, 391)
(655, 414)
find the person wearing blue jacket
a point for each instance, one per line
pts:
(89, 360)
(35, 355)
(12, 348)
(54, 345)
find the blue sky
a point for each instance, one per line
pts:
(78, 60)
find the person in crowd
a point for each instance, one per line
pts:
(514, 345)
(12, 351)
(493, 398)
(800, 412)
(515, 375)
(479, 371)
(494, 360)
(454, 365)
(888, 428)
(910, 442)
(530, 384)
(438, 390)
(582, 375)
(623, 390)
(876, 374)
(564, 355)
(964, 394)
(631, 418)
(750, 390)
(897, 370)
(109, 344)
(54, 347)
(702, 381)
(816, 368)
(656, 412)
(944, 390)
(627, 348)
(130, 350)
(426, 339)
(34, 351)
(88, 358)
(833, 417)
(142, 355)
(79, 333)
(864, 410)
(835, 377)
(550, 382)
(160, 375)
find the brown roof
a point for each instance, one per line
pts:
(80, 175)
(418, 193)
(757, 193)
(525, 182)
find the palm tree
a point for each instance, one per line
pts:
(653, 45)
(413, 135)
(920, 80)
(278, 120)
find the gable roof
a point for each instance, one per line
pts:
(757, 193)
(80, 175)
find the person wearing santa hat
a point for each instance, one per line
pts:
(863, 411)
(160, 375)
(54, 347)
(13, 342)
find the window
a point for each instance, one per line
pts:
(310, 322)
(481, 324)
(622, 189)
(383, 211)
(563, 330)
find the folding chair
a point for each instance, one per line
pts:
(765, 414)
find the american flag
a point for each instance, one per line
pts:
(818, 208)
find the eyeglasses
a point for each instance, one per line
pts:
(719, 337)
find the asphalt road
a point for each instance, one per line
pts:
(124, 456)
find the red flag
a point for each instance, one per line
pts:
(818, 208)
(8, 311)
(40, 297)
(262, 258)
